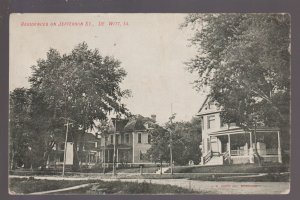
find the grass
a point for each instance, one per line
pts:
(25, 186)
(239, 178)
(91, 171)
(242, 168)
(118, 187)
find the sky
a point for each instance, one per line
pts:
(151, 47)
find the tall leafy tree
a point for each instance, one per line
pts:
(32, 131)
(190, 137)
(244, 62)
(19, 130)
(186, 137)
(159, 150)
(82, 86)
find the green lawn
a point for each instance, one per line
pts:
(242, 168)
(25, 186)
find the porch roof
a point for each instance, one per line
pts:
(240, 130)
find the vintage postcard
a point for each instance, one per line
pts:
(189, 103)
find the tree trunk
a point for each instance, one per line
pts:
(46, 154)
(160, 166)
(75, 166)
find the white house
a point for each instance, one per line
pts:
(229, 144)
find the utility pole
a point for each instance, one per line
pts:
(65, 149)
(171, 154)
(255, 141)
(104, 155)
(114, 157)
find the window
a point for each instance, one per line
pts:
(221, 122)
(111, 139)
(127, 138)
(117, 139)
(61, 157)
(139, 138)
(210, 121)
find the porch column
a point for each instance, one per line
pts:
(103, 151)
(229, 145)
(251, 156)
(117, 155)
(229, 149)
(210, 148)
(202, 151)
(279, 148)
(133, 144)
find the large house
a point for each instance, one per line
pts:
(130, 140)
(229, 144)
(89, 155)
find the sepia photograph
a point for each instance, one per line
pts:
(149, 103)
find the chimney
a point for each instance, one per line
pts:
(153, 117)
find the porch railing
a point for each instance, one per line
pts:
(239, 152)
(246, 152)
(272, 151)
(207, 157)
(226, 157)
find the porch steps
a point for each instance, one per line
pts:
(215, 160)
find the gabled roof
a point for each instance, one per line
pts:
(139, 123)
(135, 124)
(203, 104)
(120, 123)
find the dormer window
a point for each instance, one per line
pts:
(210, 121)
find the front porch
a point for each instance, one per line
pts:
(123, 154)
(238, 146)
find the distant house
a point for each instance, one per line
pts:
(227, 143)
(89, 156)
(132, 139)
